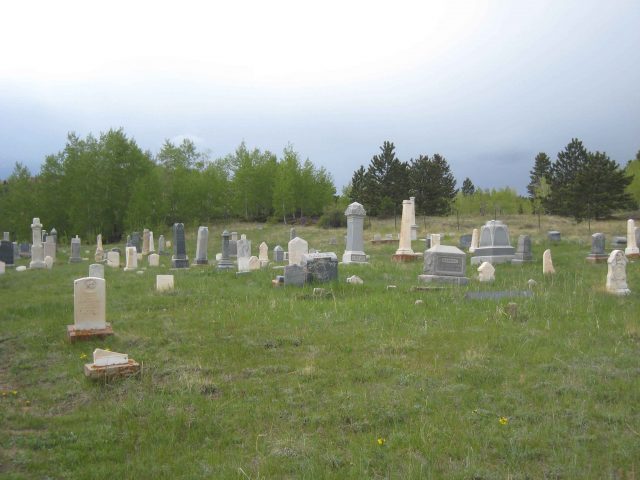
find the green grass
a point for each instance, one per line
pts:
(243, 380)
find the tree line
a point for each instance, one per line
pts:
(109, 185)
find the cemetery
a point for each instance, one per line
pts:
(279, 352)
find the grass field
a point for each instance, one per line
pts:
(243, 380)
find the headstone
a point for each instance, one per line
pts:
(465, 241)
(377, 237)
(294, 275)
(154, 260)
(6, 253)
(404, 246)
(494, 246)
(6, 236)
(234, 236)
(136, 241)
(354, 252)
(414, 226)
(75, 250)
(161, 245)
(619, 241)
(597, 254)
(113, 259)
(21, 268)
(486, 272)
(54, 233)
(263, 253)
(89, 303)
(388, 236)
(632, 248)
(164, 283)
(617, 273)
(50, 247)
(145, 241)
(435, 239)
(553, 236)
(523, 250)
(104, 358)
(16, 252)
(547, 263)
(355, 280)
(297, 247)
(475, 240)
(254, 263)
(201, 246)
(37, 248)
(96, 270)
(292, 233)
(278, 254)
(99, 255)
(152, 248)
(48, 262)
(444, 264)
(244, 253)
(320, 267)
(2, 267)
(131, 259)
(179, 258)
(233, 245)
(225, 262)
(128, 243)
(25, 250)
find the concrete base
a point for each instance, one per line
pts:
(492, 259)
(620, 292)
(226, 265)
(179, 262)
(406, 257)
(75, 335)
(36, 265)
(354, 257)
(200, 263)
(384, 241)
(597, 258)
(443, 279)
(632, 255)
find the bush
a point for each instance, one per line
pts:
(332, 217)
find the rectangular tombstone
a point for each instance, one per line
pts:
(6, 236)
(320, 267)
(444, 264)
(96, 270)
(164, 283)
(523, 250)
(113, 259)
(297, 247)
(278, 254)
(89, 303)
(6, 252)
(465, 241)
(25, 250)
(136, 241)
(154, 260)
(553, 236)
(294, 275)
(75, 250)
(50, 247)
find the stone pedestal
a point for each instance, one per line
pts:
(404, 246)
(354, 252)
(494, 246)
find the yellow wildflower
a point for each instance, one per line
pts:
(381, 441)
(503, 420)
(83, 356)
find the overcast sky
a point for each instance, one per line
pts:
(487, 84)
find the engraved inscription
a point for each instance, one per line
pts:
(448, 264)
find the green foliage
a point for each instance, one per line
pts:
(433, 185)
(333, 217)
(492, 202)
(468, 188)
(541, 171)
(633, 169)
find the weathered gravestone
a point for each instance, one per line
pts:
(50, 247)
(597, 254)
(96, 270)
(225, 262)
(89, 309)
(25, 250)
(494, 244)
(254, 263)
(292, 233)
(99, 255)
(48, 262)
(297, 248)
(164, 283)
(320, 267)
(523, 250)
(413, 227)
(486, 272)
(632, 250)
(547, 263)
(475, 240)
(2, 267)
(75, 250)
(154, 260)
(131, 259)
(161, 245)
(233, 245)
(554, 236)
(37, 248)
(152, 248)
(201, 246)
(465, 241)
(6, 236)
(179, 258)
(243, 253)
(6, 253)
(294, 275)
(444, 264)
(136, 241)
(145, 241)
(278, 254)
(263, 254)
(113, 259)
(617, 274)
(354, 252)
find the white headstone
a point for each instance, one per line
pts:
(50, 247)
(113, 259)
(154, 260)
(486, 272)
(2, 267)
(96, 270)
(617, 273)
(21, 268)
(254, 263)
(355, 280)
(435, 239)
(99, 255)
(414, 226)
(145, 241)
(164, 283)
(89, 303)
(103, 358)
(475, 240)
(263, 255)
(297, 247)
(632, 247)
(152, 248)
(243, 253)
(131, 259)
(404, 246)
(48, 262)
(547, 263)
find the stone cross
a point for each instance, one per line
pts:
(617, 274)
(89, 303)
(547, 263)
(201, 246)
(37, 248)
(354, 252)
(404, 246)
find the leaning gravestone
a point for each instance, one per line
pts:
(6, 253)
(597, 254)
(75, 250)
(201, 246)
(494, 244)
(475, 240)
(278, 254)
(89, 309)
(617, 274)
(297, 247)
(96, 270)
(523, 251)
(354, 252)
(225, 262)
(179, 258)
(444, 264)
(320, 267)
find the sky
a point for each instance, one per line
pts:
(487, 84)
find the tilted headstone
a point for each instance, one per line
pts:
(320, 267)
(494, 246)
(6, 253)
(75, 250)
(354, 252)
(632, 248)
(89, 303)
(523, 250)
(145, 241)
(113, 259)
(179, 258)
(278, 254)
(486, 272)
(244, 253)
(37, 248)
(164, 283)
(154, 260)
(294, 275)
(96, 270)
(617, 273)
(297, 247)
(225, 262)
(597, 254)
(201, 246)
(131, 257)
(444, 264)
(547, 263)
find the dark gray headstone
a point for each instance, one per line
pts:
(278, 254)
(6, 253)
(523, 250)
(179, 258)
(553, 236)
(497, 295)
(295, 275)
(75, 256)
(233, 248)
(16, 252)
(25, 250)
(465, 241)
(54, 234)
(320, 267)
(445, 264)
(619, 241)
(136, 240)
(597, 254)
(225, 262)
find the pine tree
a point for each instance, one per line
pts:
(386, 181)
(468, 188)
(433, 185)
(564, 198)
(541, 169)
